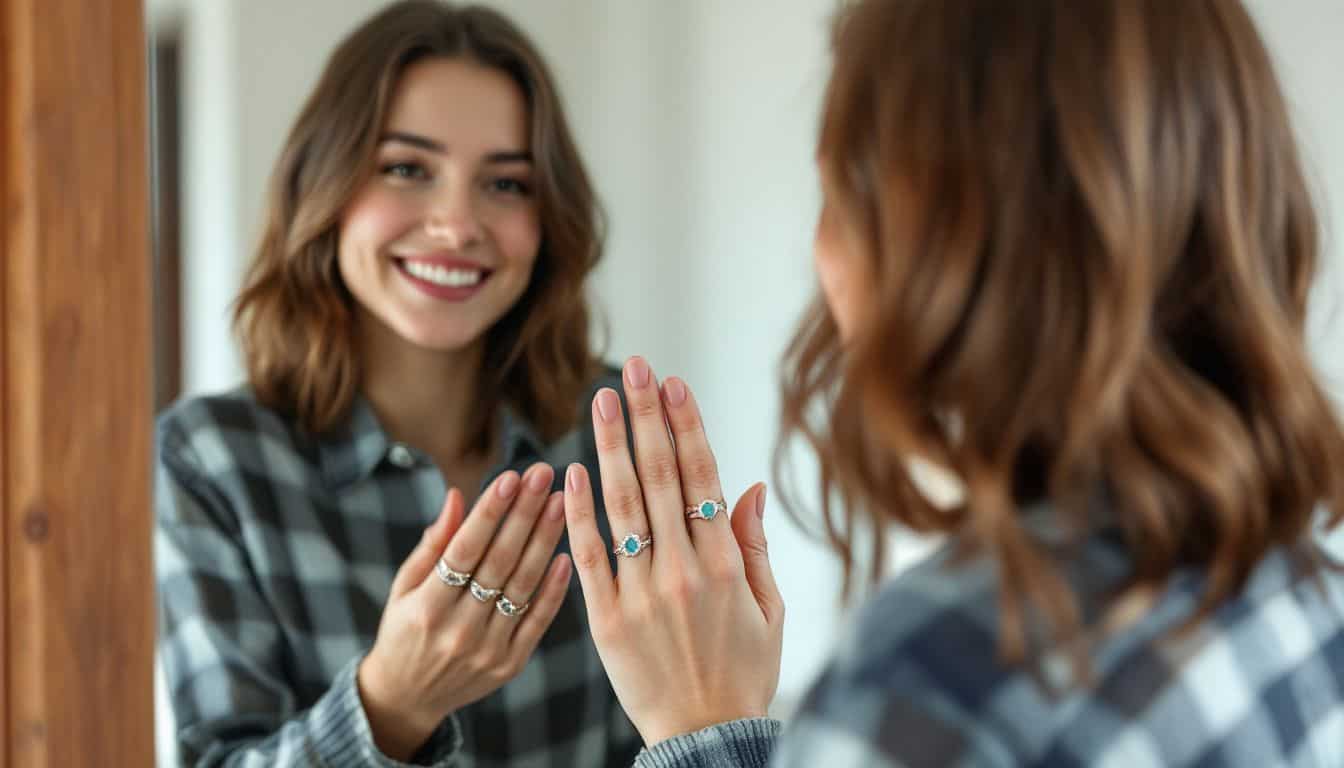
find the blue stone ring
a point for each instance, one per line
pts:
(632, 545)
(706, 510)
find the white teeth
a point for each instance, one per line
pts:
(452, 278)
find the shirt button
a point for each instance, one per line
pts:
(401, 456)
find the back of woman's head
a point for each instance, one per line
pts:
(295, 317)
(1087, 248)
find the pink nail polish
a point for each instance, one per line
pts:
(760, 503)
(572, 477)
(675, 391)
(637, 372)
(540, 479)
(507, 485)
(608, 405)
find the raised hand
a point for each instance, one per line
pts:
(690, 627)
(455, 628)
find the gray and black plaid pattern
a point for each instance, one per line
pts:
(916, 683)
(275, 551)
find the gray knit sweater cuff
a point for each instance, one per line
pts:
(735, 744)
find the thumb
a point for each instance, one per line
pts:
(749, 530)
(420, 563)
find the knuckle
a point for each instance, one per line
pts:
(627, 502)
(660, 470)
(610, 440)
(722, 568)
(702, 471)
(645, 407)
(681, 586)
(588, 558)
(457, 645)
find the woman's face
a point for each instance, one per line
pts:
(439, 243)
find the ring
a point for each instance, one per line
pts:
(509, 608)
(484, 594)
(632, 545)
(706, 510)
(449, 576)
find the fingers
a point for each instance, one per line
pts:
(620, 485)
(585, 542)
(504, 550)
(545, 604)
(655, 459)
(420, 563)
(699, 478)
(467, 548)
(749, 529)
(526, 577)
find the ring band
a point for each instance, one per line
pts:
(450, 577)
(509, 608)
(484, 594)
(632, 545)
(706, 510)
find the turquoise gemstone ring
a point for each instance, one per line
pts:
(706, 510)
(632, 545)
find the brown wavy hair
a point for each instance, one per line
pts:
(295, 317)
(1091, 246)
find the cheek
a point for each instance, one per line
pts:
(517, 235)
(374, 219)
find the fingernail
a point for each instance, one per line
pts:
(574, 477)
(608, 405)
(555, 508)
(540, 479)
(760, 503)
(637, 372)
(675, 391)
(507, 485)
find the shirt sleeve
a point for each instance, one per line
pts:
(223, 654)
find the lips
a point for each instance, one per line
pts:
(444, 279)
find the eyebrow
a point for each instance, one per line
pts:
(430, 145)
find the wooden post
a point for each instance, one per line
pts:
(76, 626)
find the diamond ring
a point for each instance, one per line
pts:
(509, 608)
(449, 576)
(632, 545)
(484, 594)
(706, 510)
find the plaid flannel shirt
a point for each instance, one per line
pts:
(916, 683)
(275, 552)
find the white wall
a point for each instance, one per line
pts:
(698, 119)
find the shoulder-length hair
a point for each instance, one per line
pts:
(1091, 248)
(294, 315)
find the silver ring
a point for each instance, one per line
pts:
(706, 510)
(632, 545)
(449, 576)
(484, 594)
(509, 608)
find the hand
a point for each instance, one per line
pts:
(438, 647)
(690, 630)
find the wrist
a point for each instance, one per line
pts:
(398, 731)
(663, 731)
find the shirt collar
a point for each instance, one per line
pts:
(353, 451)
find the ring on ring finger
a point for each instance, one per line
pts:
(706, 510)
(509, 608)
(482, 593)
(632, 545)
(449, 576)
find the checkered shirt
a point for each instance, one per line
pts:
(275, 552)
(916, 683)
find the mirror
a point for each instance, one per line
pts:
(697, 121)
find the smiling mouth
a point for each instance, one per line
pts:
(456, 276)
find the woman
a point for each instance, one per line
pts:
(414, 322)
(1065, 254)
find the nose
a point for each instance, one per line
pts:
(452, 220)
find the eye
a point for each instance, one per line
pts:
(510, 187)
(405, 171)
